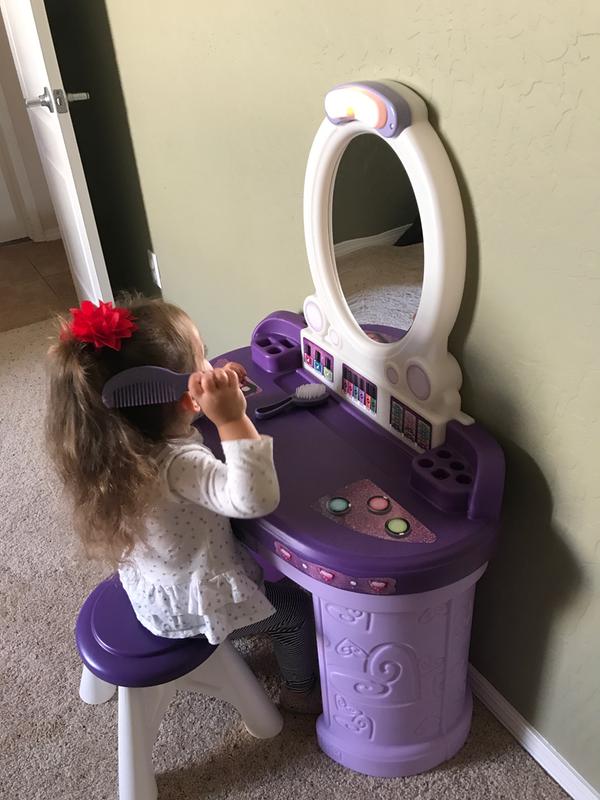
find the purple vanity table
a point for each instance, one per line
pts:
(390, 543)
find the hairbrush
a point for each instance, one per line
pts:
(309, 394)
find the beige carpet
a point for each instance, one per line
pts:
(53, 747)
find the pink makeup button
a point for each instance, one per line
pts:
(379, 504)
(326, 575)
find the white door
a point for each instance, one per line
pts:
(33, 52)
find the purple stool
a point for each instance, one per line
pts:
(117, 651)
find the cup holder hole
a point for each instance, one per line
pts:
(464, 479)
(443, 454)
(456, 465)
(287, 343)
(440, 474)
(273, 350)
(425, 462)
(263, 342)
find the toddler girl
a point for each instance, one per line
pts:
(153, 501)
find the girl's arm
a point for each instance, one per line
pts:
(246, 485)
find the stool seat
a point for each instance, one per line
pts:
(117, 651)
(116, 647)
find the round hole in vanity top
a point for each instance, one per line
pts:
(443, 454)
(273, 350)
(464, 479)
(456, 465)
(263, 342)
(425, 462)
(440, 474)
(286, 343)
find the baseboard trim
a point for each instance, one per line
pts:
(387, 237)
(529, 739)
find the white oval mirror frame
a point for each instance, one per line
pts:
(427, 377)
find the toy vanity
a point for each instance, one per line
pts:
(390, 494)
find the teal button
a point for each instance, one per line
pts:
(338, 505)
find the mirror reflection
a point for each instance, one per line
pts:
(378, 241)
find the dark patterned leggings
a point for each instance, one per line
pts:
(292, 630)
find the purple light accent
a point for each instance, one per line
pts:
(399, 115)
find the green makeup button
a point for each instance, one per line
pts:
(397, 526)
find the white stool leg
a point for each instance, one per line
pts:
(94, 690)
(227, 676)
(140, 714)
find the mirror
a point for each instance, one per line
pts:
(378, 242)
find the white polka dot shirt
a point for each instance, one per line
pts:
(190, 576)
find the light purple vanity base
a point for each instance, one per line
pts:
(393, 674)
(397, 761)
(412, 660)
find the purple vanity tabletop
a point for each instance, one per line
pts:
(318, 451)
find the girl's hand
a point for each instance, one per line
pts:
(239, 370)
(219, 395)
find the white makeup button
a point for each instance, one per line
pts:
(314, 315)
(418, 382)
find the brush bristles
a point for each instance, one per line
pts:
(311, 391)
(143, 394)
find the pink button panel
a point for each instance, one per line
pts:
(332, 578)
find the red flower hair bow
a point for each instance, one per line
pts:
(101, 325)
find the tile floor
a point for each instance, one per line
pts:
(35, 282)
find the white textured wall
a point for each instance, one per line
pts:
(224, 100)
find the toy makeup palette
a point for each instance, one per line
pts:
(367, 509)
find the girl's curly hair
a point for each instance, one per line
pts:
(107, 458)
